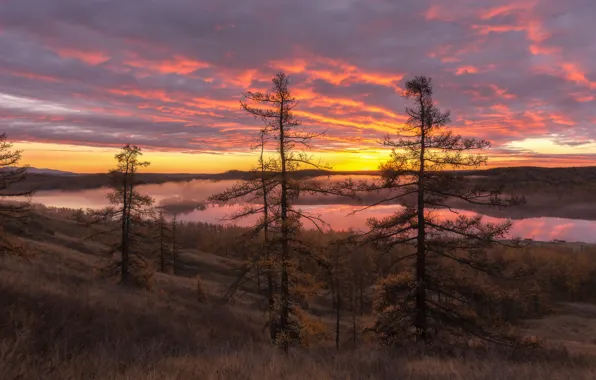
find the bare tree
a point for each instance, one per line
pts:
(432, 292)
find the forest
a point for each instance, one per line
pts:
(131, 291)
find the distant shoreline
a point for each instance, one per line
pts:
(551, 192)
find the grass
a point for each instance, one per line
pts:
(59, 321)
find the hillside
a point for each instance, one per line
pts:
(60, 321)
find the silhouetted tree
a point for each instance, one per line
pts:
(346, 273)
(175, 246)
(164, 238)
(15, 199)
(339, 279)
(278, 189)
(255, 192)
(127, 214)
(434, 291)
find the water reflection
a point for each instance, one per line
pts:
(341, 217)
(544, 229)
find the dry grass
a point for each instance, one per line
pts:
(58, 321)
(574, 327)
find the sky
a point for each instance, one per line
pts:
(80, 78)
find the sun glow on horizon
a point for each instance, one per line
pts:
(87, 159)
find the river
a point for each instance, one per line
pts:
(338, 215)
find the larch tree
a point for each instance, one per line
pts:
(15, 197)
(163, 235)
(346, 271)
(127, 215)
(434, 293)
(279, 188)
(175, 245)
(341, 280)
(255, 192)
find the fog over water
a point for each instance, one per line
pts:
(337, 212)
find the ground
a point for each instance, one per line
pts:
(58, 320)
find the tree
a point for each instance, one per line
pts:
(435, 291)
(255, 192)
(175, 247)
(126, 214)
(346, 272)
(12, 175)
(282, 126)
(341, 280)
(279, 189)
(164, 237)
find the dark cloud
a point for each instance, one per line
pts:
(168, 74)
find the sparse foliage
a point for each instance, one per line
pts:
(127, 215)
(282, 251)
(431, 294)
(163, 235)
(14, 204)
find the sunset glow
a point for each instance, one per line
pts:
(80, 80)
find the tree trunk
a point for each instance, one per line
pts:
(125, 259)
(354, 315)
(174, 253)
(272, 319)
(124, 234)
(285, 235)
(162, 250)
(269, 269)
(258, 279)
(421, 315)
(337, 313)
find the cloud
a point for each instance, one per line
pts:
(169, 74)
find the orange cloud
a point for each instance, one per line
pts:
(244, 79)
(486, 29)
(314, 99)
(178, 65)
(337, 72)
(575, 74)
(544, 50)
(502, 110)
(583, 98)
(167, 119)
(505, 9)
(562, 119)
(207, 103)
(466, 70)
(432, 13)
(501, 92)
(144, 94)
(33, 76)
(379, 126)
(89, 57)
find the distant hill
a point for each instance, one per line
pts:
(50, 172)
(579, 181)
